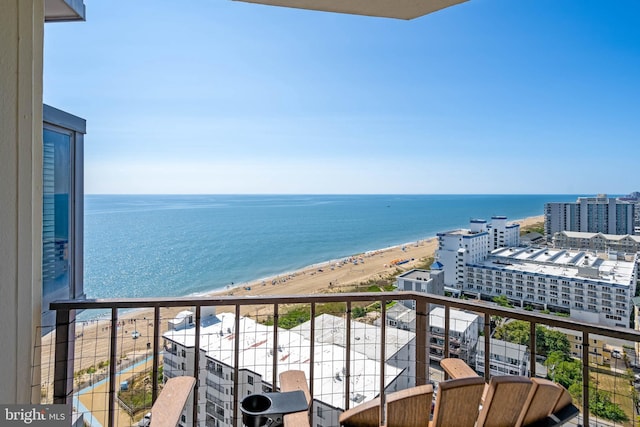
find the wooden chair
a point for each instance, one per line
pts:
(293, 381)
(548, 404)
(543, 400)
(507, 397)
(405, 408)
(457, 402)
(563, 411)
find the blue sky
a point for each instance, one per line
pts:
(215, 96)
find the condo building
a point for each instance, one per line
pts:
(600, 214)
(464, 330)
(418, 280)
(600, 353)
(458, 248)
(601, 242)
(256, 357)
(589, 288)
(505, 358)
(463, 334)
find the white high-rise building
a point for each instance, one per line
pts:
(458, 248)
(600, 214)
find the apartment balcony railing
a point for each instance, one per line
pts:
(70, 353)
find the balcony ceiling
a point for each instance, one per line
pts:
(64, 10)
(400, 9)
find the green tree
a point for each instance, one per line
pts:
(516, 331)
(358, 312)
(563, 369)
(601, 405)
(548, 341)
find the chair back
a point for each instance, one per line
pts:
(410, 407)
(458, 402)
(405, 408)
(506, 398)
(543, 401)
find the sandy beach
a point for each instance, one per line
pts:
(92, 337)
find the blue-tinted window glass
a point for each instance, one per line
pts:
(56, 216)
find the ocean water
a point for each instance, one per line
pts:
(177, 245)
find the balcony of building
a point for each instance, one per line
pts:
(95, 365)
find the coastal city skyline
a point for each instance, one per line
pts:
(226, 97)
(221, 199)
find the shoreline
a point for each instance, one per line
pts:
(285, 276)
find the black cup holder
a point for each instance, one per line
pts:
(268, 409)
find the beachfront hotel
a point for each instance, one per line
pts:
(458, 248)
(588, 287)
(256, 355)
(600, 214)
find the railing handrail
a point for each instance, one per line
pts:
(485, 308)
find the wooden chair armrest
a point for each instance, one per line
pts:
(293, 381)
(457, 368)
(168, 407)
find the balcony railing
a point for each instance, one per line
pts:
(255, 374)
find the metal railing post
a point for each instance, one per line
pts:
(585, 379)
(274, 365)
(487, 346)
(196, 365)
(347, 346)
(63, 382)
(312, 349)
(532, 348)
(383, 355)
(236, 367)
(447, 319)
(112, 366)
(422, 357)
(156, 352)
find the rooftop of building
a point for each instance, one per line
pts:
(365, 338)
(586, 235)
(256, 354)
(504, 349)
(401, 313)
(416, 274)
(563, 263)
(459, 321)
(461, 232)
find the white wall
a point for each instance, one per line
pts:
(21, 40)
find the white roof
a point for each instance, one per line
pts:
(256, 354)
(561, 263)
(365, 338)
(459, 321)
(586, 235)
